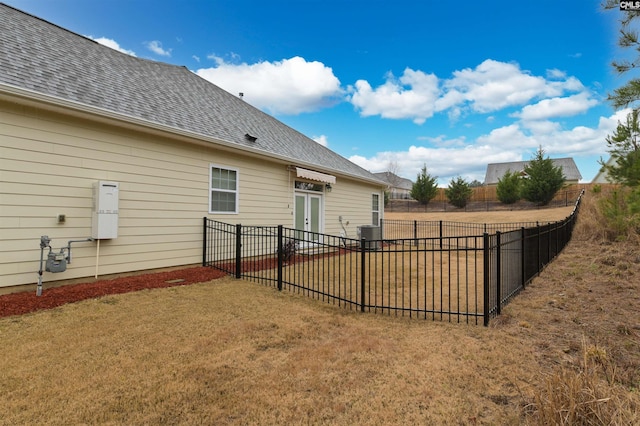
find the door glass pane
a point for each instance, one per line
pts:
(314, 215)
(299, 214)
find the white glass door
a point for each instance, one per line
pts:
(308, 216)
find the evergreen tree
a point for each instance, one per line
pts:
(425, 187)
(629, 93)
(622, 209)
(458, 192)
(625, 151)
(542, 179)
(623, 145)
(508, 189)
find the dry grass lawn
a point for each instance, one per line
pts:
(235, 352)
(541, 215)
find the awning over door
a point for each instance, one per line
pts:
(310, 174)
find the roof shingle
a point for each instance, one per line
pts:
(495, 171)
(42, 57)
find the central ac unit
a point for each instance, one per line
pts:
(372, 236)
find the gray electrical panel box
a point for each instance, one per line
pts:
(104, 218)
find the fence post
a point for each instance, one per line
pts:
(485, 252)
(363, 270)
(238, 250)
(523, 274)
(557, 251)
(548, 244)
(204, 241)
(415, 231)
(440, 232)
(498, 274)
(539, 266)
(280, 257)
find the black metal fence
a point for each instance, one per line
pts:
(464, 278)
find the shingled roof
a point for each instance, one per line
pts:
(395, 180)
(495, 171)
(42, 58)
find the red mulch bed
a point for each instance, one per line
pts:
(25, 302)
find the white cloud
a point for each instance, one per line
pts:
(290, 86)
(489, 87)
(217, 59)
(556, 74)
(322, 140)
(413, 96)
(508, 137)
(448, 159)
(443, 141)
(557, 107)
(112, 44)
(541, 127)
(445, 163)
(494, 85)
(156, 47)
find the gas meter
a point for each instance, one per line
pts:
(56, 262)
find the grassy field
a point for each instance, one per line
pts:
(565, 351)
(421, 281)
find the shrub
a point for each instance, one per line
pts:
(508, 189)
(621, 212)
(542, 180)
(425, 188)
(458, 192)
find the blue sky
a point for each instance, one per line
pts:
(391, 85)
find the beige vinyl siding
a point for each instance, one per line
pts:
(49, 162)
(48, 167)
(352, 201)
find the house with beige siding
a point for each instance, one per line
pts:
(82, 124)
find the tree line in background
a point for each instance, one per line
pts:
(538, 183)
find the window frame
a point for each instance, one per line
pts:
(375, 196)
(235, 191)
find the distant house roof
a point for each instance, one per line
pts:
(395, 181)
(57, 67)
(495, 171)
(603, 173)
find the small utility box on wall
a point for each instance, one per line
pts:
(104, 219)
